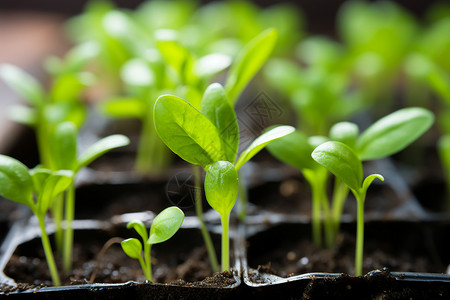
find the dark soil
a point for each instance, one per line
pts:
(179, 261)
(408, 247)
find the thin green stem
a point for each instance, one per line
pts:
(68, 232)
(340, 193)
(316, 222)
(360, 198)
(57, 210)
(225, 243)
(199, 211)
(48, 252)
(243, 199)
(147, 266)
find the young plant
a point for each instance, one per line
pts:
(343, 162)
(209, 137)
(37, 188)
(63, 148)
(163, 227)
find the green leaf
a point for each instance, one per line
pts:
(340, 160)
(68, 87)
(393, 133)
(132, 247)
(187, 132)
(55, 184)
(64, 146)
(260, 142)
(221, 186)
(139, 226)
(23, 84)
(248, 63)
(211, 64)
(23, 115)
(137, 72)
(345, 132)
(165, 225)
(368, 181)
(101, 147)
(39, 175)
(293, 149)
(15, 181)
(124, 108)
(217, 109)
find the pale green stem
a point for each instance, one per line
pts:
(316, 222)
(57, 210)
(48, 252)
(68, 233)
(147, 266)
(225, 243)
(243, 200)
(360, 198)
(199, 211)
(340, 193)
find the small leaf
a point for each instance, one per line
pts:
(64, 146)
(345, 132)
(176, 56)
(187, 132)
(15, 181)
(101, 147)
(340, 160)
(221, 187)
(132, 247)
(23, 115)
(248, 63)
(139, 226)
(293, 149)
(23, 84)
(124, 108)
(217, 109)
(260, 142)
(393, 133)
(39, 175)
(211, 64)
(55, 184)
(368, 181)
(165, 225)
(137, 72)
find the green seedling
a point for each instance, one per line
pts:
(36, 188)
(383, 138)
(63, 147)
(343, 162)
(163, 227)
(209, 137)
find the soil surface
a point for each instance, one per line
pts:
(185, 265)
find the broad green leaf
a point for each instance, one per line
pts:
(368, 181)
(260, 142)
(217, 109)
(137, 72)
(340, 160)
(293, 149)
(23, 115)
(211, 64)
(139, 226)
(187, 132)
(248, 63)
(165, 225)
(124, 108)
(15, 181)
(55, 184)
(101, 147)
(63, 146)
(23, 84)
(221, 187)
(345, 132)
(393, 133)
(132, 247)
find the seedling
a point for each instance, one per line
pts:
(343, 162)
(37, 188)
(383, 138)
(63, 147)
(163, 227)
(210, 138)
